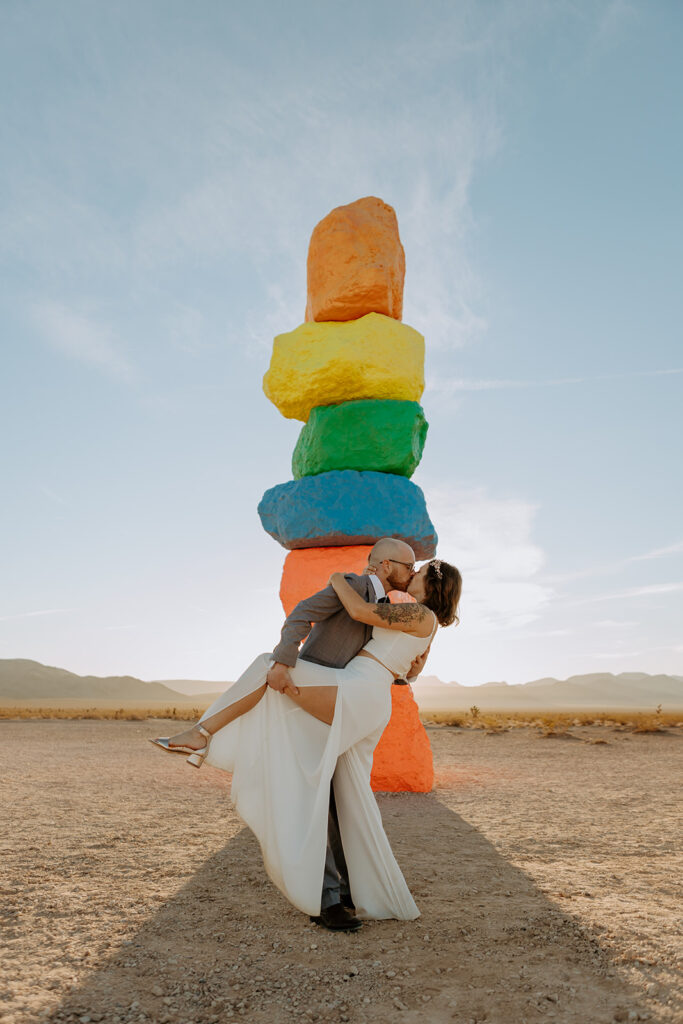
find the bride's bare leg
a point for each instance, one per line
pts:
(193, 738)
(319, 701)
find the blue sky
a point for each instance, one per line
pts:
(163, 167)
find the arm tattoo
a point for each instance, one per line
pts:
(412, 613)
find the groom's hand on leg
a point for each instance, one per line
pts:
(279, 679)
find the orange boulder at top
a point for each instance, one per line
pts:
(356, 263)
(403, 757)
(307, 570)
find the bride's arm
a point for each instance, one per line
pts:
(409, 618)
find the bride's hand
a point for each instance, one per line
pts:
(335, 578)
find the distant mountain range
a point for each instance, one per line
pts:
(21, 679)
(596, 690)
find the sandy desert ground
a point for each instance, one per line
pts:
(545, 870)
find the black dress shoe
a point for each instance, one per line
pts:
(337, 919)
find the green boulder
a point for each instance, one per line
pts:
(371, 434)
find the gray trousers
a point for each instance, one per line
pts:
(336, 876)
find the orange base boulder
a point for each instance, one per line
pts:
(403, 759)
(307, 570)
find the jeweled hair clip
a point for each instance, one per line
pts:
(436, 566)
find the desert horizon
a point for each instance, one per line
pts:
(30, 684)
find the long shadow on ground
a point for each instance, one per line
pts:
(488, 947)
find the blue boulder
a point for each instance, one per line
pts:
(348, 507)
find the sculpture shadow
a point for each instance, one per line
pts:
(489, 946)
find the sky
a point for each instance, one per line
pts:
(163, 166)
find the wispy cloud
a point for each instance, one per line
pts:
(30, 615)
(49, 493)
(539, 634)
(634, 654)
(83, 339)
(623, 563)
(248, 202)
(610, 655)
(490, 541)
(650, 590)
(284, 310)
(434, 228)
(672, 549)
(617, 16)
(452, 385)
(614, 624)
(61, 235)
(187, 329)
(653, 588)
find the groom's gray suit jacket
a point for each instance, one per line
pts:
(335, 638)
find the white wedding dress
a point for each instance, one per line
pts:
(283, 760)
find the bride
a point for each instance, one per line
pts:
(283, 749)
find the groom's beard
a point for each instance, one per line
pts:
(394, 584)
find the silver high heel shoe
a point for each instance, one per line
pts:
(196, 756)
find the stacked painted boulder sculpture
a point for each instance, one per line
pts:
(354, 374)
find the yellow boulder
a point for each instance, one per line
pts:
(327, 363)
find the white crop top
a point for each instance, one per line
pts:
(397, 650)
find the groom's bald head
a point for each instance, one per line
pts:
(391, 547)
(393, 561)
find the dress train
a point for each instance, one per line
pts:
(283, 760)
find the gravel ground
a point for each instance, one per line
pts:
(545, 870)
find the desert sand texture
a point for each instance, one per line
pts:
(545, 870)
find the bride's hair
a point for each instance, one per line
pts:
(443, 586)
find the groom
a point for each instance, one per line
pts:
(334, 640)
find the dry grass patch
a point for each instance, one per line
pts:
(180, 714)
(492, 723)
(556, 723)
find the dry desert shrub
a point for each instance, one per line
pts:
(494, 724)
(444, 718)
(553, 725)
(496, 729)
(651, 723)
